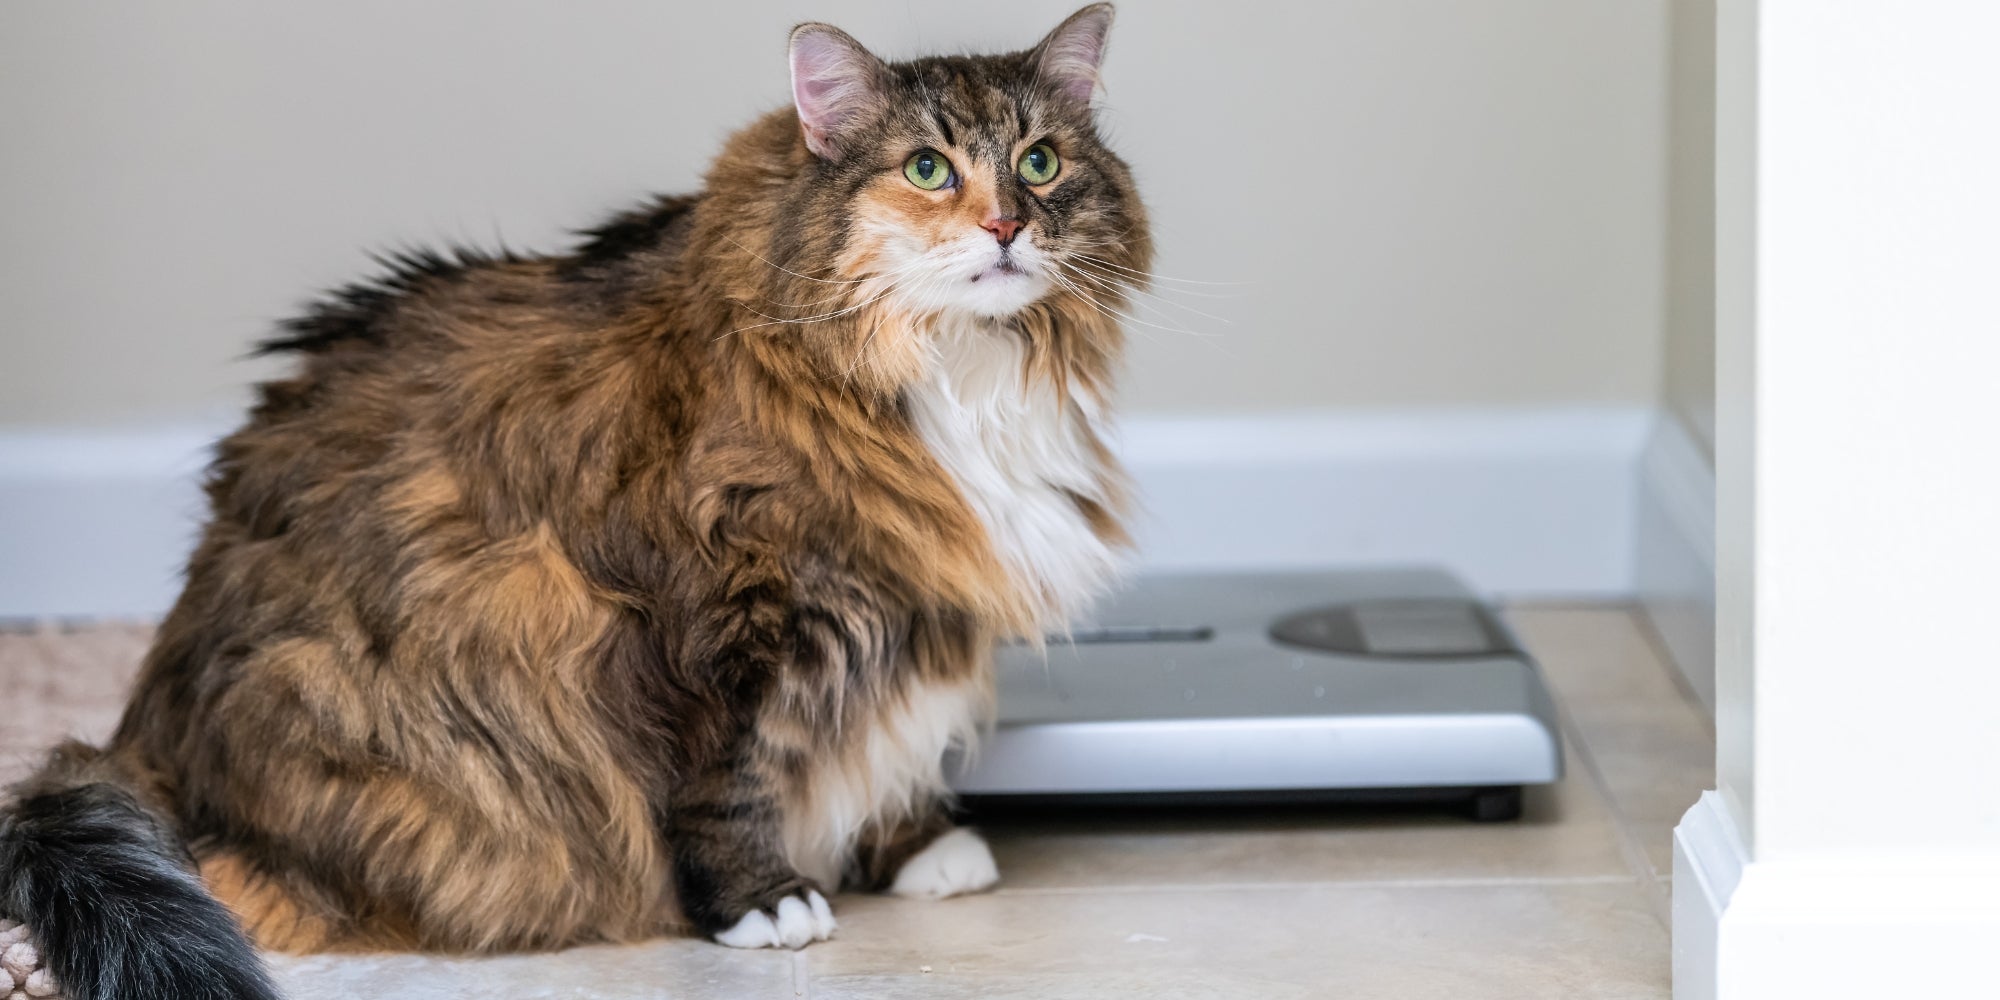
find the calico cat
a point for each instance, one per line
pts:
(637, 590)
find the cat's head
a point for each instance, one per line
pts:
(952, 185)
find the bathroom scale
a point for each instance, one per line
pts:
(1281, 686)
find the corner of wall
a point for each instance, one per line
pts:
(1675, 550)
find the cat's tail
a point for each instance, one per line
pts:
(110, 893)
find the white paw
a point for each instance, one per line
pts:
(958, 862)
(795, 923)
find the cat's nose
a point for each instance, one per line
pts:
(1003, 229)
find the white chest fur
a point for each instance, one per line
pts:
(1019, 452)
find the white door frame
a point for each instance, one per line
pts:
(1852, 848)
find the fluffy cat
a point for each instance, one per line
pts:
(637, 590)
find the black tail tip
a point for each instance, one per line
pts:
(115, 911)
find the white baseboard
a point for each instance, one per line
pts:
(1847, 926)
(1535, 502)
(1675, 559)
(98, 523)
(1519, 502)
(1708, 865)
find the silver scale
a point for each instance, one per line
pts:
(1274, 685)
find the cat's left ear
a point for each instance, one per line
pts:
(1070, 55)
(836, 85)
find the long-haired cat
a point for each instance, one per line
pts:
(637, 590)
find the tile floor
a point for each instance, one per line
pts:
(1350, 902)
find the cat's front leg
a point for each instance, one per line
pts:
(729, 867)
(924, 857)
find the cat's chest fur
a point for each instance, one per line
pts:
(1021, 454)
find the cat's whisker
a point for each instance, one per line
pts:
(927, 295)
(837, 296)
(1145, 300)
(1085, 297)
(861, 354)
(1150, 276)
(1127, 287)
(1155, 277)
(1067, 242)
(1141, 284)
(835, 314)
(930, 300)
(1079, 292)
(807, 277)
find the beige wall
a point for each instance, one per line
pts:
(1454, 202)
(1690, 334)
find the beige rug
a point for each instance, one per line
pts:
(62, 681)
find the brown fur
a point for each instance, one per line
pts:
(530, 602)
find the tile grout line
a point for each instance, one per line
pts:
(1628, 843)
(801, 975)
(1500, 882)
(1658, 642)
(1655, 884)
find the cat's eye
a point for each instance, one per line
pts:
(928, 169)
(1039, 164)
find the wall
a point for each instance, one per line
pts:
(1456, 203)
(1675, 557)
(1690, 314)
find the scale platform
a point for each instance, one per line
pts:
(1278, 686)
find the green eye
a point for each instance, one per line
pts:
(928, 169)
(1039, 164)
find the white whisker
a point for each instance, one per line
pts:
(1107, 283)
(1150, 276)
(835, 314)
(795, 274)
(1079, 292)
(843, 293)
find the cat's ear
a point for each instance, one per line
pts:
(836, 85)
(1068, 58)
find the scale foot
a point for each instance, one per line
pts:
(1495, 805)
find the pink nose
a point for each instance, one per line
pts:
(1002, 228)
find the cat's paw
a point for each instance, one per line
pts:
(956, 863)
(796, 921)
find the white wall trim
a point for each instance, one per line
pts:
(1859, 925)
(1675, 560)
(1522, 502)
(98, 522)
(1709, 857)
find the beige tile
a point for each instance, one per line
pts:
(1567, 830)
(1492, 942)
(1647, 739)
(674, 968)
(1138, 984)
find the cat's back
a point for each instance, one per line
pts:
(495, 364)
(472, 305)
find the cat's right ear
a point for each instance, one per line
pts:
(836, 85)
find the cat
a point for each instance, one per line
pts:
(637, 590)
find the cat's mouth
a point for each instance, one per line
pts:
(1006, 267)
(993, 284)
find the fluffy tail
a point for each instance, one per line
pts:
(111, 894)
